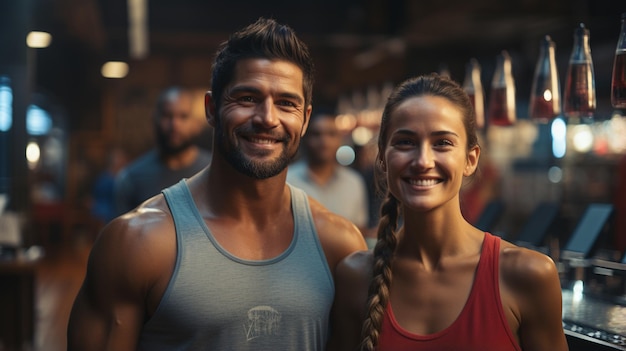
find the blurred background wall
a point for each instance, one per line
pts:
(361, 49)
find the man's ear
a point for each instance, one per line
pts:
(209, 108)
(307, 119)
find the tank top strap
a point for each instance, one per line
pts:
(181, 206)
(486, 279)
(304, 226)
(490, 260)
(301, 210)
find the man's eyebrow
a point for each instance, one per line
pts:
(243, 89)
(249, 89)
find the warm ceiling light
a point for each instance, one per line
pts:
(38, 40)
(114, 69)
(138, 28)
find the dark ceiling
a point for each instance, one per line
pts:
(429, 32)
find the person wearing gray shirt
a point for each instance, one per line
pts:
(175, 156)
(339, 188)
(232, 258)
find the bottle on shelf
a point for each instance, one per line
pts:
(474, 88)
(579, 100)
(501, 110)
(618, 81)
(545, 94)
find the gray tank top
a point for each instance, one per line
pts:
(216, 301)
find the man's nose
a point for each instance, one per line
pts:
(266, 114)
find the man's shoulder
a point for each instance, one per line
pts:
(133, 252)
(147, 228)
(329, 224)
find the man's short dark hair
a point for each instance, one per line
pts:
(268, 39)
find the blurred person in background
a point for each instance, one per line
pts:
(339, 188)
(103, 207)
(175, 156)
(233, 258)
(365, 165)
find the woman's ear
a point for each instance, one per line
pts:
(209, 108)
(472, 161)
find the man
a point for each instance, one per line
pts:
(232, 258)
(175, 156)
(340, 189)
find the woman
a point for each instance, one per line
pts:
(435, 281)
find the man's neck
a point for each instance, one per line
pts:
(232, 193)
(181, 159)
(321, 173)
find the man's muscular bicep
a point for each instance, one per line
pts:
(109, 310)
(338, 236)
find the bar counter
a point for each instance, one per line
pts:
(592, 323)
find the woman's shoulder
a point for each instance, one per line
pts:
(525, 267)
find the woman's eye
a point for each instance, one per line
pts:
(444, 142)
(403, 142)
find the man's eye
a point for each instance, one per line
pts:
(246, 99)
(286, 103)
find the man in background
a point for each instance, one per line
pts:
(339, 188)
(175, 156)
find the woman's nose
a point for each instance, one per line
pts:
(424, 157)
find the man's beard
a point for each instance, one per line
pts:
(168, 149)
(247, 166)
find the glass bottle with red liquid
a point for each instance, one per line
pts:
(545, 95)
(579, 100)
(618, 82)
(501, 109)
(474, 88)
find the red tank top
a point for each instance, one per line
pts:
(481, 326)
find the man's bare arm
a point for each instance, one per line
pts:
(110, 308)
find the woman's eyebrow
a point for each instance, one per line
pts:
(444, 132)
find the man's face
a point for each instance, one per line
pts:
(262, 117)
(176, 128)
(322, 140)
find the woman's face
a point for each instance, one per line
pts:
(426, 154)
